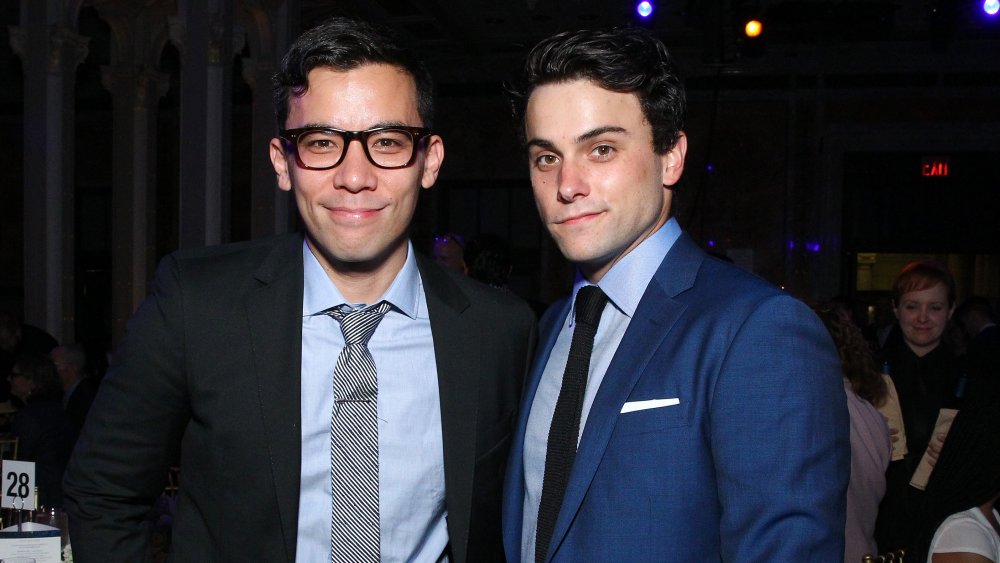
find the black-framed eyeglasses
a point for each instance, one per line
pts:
(322, 148)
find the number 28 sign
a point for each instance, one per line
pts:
(18, 485)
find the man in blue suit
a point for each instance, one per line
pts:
(710, 423)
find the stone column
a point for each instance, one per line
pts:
(135, 90)
(203, 32)
(271, 26)
(50, 51)
(139, 31)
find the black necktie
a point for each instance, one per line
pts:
(565, 430)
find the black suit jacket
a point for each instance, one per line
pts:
(210, 365)
(78, 405)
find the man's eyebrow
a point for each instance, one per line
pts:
(318, 125)
(583, 137)
(598, 132)
(541, 143)
(389, 124)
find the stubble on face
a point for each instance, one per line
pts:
(599, 186)
(357, 216)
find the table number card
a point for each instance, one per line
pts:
(18, 485)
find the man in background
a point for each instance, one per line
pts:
(448, 251)
(78, 389)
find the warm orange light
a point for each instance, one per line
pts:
(753, 28)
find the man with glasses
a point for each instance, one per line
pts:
(333, 396)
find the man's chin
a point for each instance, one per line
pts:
(362, 257)
(588, 263)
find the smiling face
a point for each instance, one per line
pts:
(356, 214)
(599, 186)
(923, 316)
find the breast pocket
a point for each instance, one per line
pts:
(655, 419)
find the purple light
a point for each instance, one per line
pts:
(791, 245)
(812, 246)
(709, 167)
(711, 243)
(991, 7)
(644, 8)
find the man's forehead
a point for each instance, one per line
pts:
(567, 123)
(580, 100)
(383, 94)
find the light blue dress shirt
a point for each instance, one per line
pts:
(411, 455)
(624, 284)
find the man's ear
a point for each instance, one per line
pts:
(672, 161)
(433, 157)
(279, 160)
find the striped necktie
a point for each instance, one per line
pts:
(354, 528)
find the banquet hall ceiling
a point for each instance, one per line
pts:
(481, 38)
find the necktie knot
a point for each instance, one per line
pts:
(358, 326)
(589, 305)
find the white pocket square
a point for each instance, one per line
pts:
(651, 404)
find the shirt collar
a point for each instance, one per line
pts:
(319, 293)
(626, 281)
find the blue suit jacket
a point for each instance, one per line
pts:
(751, 465)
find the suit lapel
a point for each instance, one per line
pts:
(654, 318)
(274, 316)
(457, 354)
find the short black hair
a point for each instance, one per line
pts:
(620, 59)
(343, 44)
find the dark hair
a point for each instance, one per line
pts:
(621, 59)
(975, 304)
(10, 328)
(345, 44)
(488, 259)
(855, 355)
(9, 322)
(967, 473)
(41, 372)
(921, 275)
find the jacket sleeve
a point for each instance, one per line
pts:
(132, 434)
(780, 439)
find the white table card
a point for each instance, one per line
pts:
(18, 485)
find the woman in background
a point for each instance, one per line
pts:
(41, 425)
(926, 375)
(871, 448)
